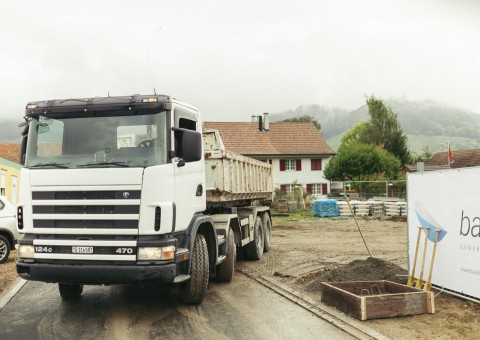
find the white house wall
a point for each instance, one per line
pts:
(303, 177)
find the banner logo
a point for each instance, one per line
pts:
(427, 221)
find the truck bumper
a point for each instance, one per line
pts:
(96, 274)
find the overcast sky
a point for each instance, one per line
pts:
(234, 59)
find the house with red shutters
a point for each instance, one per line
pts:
(297, 151)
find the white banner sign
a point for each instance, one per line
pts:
(446, 203)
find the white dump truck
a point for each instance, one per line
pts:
(130, 190)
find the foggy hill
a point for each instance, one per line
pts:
(425, 123)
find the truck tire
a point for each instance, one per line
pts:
(69, 291)
(4, 249)
(226, 269)
(255, 248)
(193, 291)
(267, 227)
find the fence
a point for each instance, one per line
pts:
(370, 189)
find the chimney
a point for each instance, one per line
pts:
(266, 121)
(254, 119)
(260, 127)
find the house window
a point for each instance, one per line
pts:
(290, 165)
(316, 164)
(287, 188)
(317, 189)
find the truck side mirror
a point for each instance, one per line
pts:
(191, 146)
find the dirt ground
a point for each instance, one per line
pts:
(308, 252)
(303, 254)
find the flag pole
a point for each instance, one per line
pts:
(449, 155)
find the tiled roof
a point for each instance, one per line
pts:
(10, 152)
(283, 138)
(460, 158)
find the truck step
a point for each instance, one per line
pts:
(221, 258)
(181, 278)
(220, 239)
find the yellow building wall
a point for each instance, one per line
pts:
(10, 179)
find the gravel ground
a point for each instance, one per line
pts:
(8, 275)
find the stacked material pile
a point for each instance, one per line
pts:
(361, 208)
(343, 209)
(392, 209)
(377, 208)
(403, 208)
(325, 208)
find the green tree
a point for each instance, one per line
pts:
(426, 154)
(358, 162)
(384, 130)
(305, 118)
(353, 135)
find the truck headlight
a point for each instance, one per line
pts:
(156, 253)
(26, 251)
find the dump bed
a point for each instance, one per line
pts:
(233, 177)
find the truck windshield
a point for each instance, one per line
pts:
(118, 139)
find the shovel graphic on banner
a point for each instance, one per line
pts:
(433, 232)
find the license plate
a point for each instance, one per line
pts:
(82, 250)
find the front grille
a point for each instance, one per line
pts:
(104, 224)
(86, 195)
(82, 224)
(86, 209)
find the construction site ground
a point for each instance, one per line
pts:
(308, 251)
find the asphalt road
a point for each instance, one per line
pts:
(242, 309)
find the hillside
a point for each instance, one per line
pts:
(425, 123)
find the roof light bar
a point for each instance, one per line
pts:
(149, 100)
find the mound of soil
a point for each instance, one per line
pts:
(361, 270)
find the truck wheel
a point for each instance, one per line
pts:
(267, 227)
(4, 249)
(255, 248)
(226, 269)
(193, 291)
(70, 291)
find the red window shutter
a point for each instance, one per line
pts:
(316, 164)
(282, 165)
(283, 187)
(298, 166)
(309, 189)
(324, 189)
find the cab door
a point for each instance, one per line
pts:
(190, 196)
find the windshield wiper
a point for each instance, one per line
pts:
(53, 165)
(119, 164)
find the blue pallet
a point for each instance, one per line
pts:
(325, 208)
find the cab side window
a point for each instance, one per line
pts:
(183, 120)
